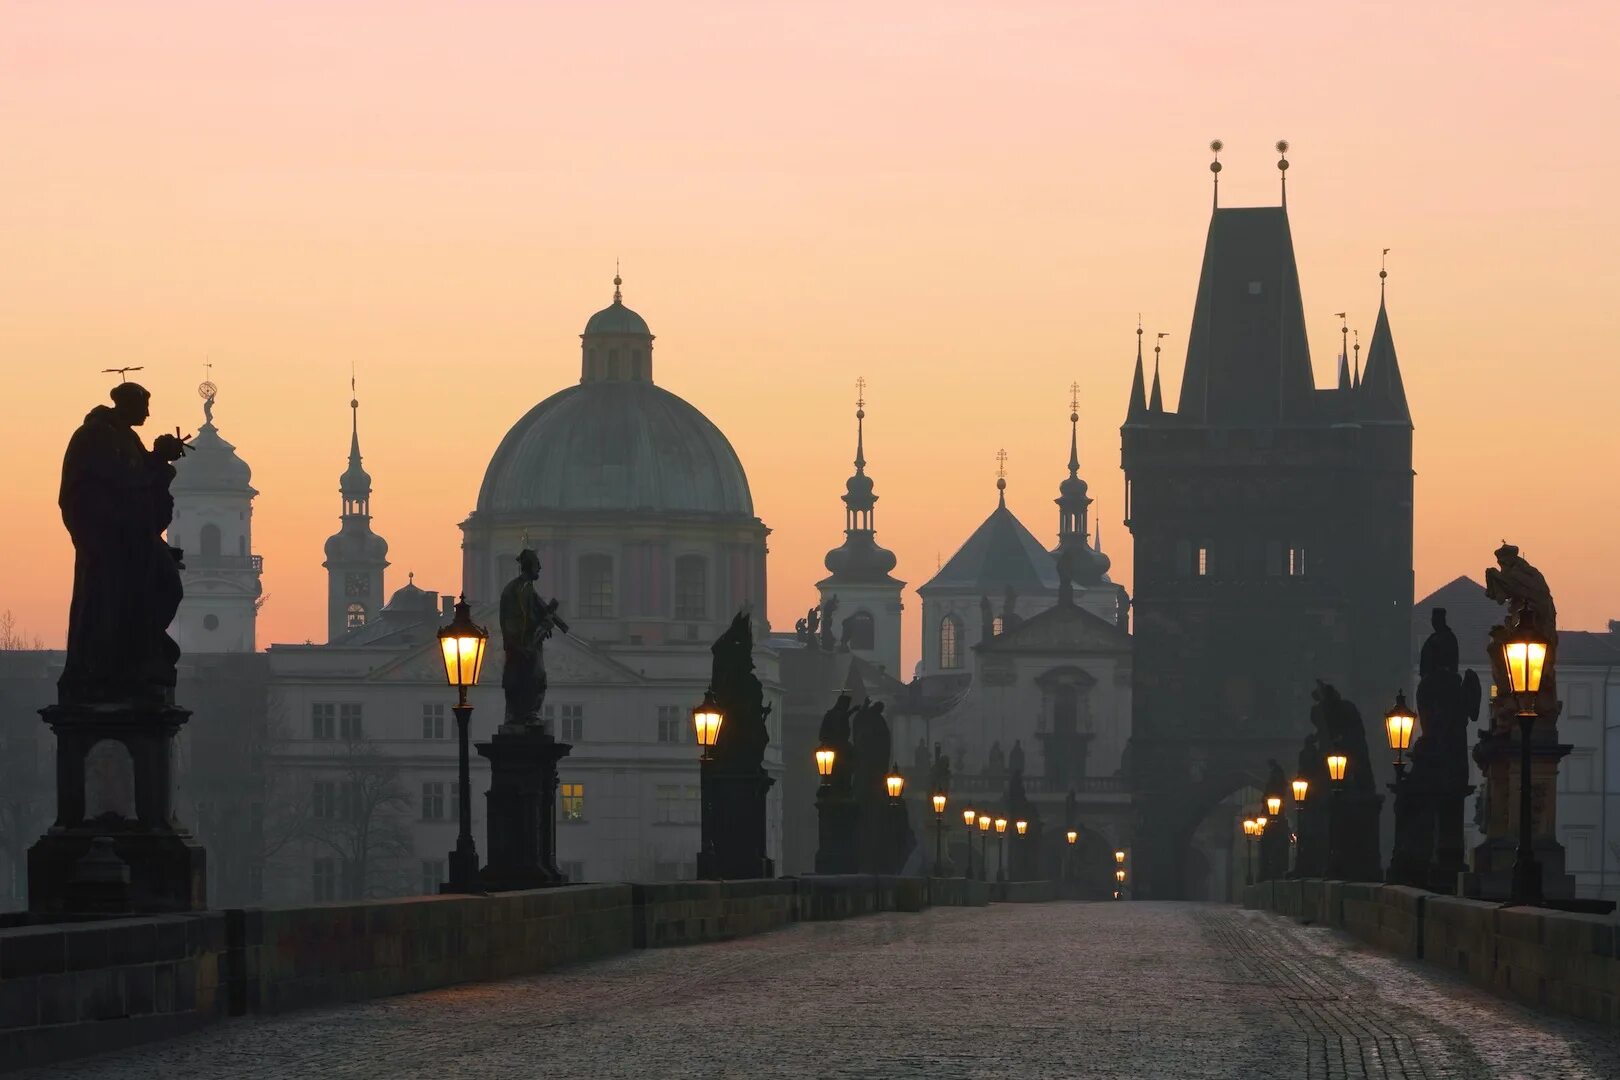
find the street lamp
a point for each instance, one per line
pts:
(1022, 826)
(1274, 805)
(1119, 876)
(939, 833)
(825, 757)
(1398, 723)
(969, 816)
(1073, 837)
(984, 846)
(1301, 787)
(707, 718)
(1250, 830)
(1001, 849)
(894, 782)
(1337, 763)
(1524, 654)
(462, 642)
(1119, 856)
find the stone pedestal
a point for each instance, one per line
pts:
(1498, 754)
(837, 818)
(521, 809)
(734, 824)
(1354, 833)
(1274, 844)
(1311, 820)
(115, 780)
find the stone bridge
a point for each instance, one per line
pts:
(1054, 989)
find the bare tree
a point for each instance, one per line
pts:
(365, 823)
(15, 640)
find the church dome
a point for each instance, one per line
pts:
(860, 559)
(410, 597)
(615, 445)
(617, 319)
(355, 543)
(211, 465)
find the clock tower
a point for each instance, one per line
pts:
(355, 556)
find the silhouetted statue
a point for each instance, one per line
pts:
(126, 578)
(987, 619)
(1065, 569)
(835, 736)
(801, 631)
(919, 755)
(829, 607)
(996, 763)
(526, 623)
(939, 777)
(1520, 586)
(740, 743)
(1346, 734)
(1276, 782)
(873, 745)
(812, 625)
(1015, 760)
(1440, 652)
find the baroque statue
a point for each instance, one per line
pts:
(526, 623)
(116, 505)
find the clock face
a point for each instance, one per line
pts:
(356, 585)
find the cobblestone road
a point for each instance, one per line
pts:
(1134, 990)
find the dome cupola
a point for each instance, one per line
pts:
(616, 345)
(859, 558)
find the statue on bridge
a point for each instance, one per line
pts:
(939, 778)
(526, 623)
(734, 778)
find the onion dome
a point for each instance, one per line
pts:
(211, 465)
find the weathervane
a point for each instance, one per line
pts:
(121, 371)
(1282, 167)
(208, 392)
(1215, 147)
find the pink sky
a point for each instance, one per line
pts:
(969, 206)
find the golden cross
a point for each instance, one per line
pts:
(1001, 464)
(860, 392)
(1074, 397)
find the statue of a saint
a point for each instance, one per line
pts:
(126, 578)
(829, 608)
(1440, 653)
(526, 623)
(1015, 758)
(940, 776)
(1520, 586)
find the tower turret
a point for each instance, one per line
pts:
(355, 556)
(1383, 393)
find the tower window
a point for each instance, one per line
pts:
(208, 541)
(1296, 562)
(691, 587)
(950, 642)
(596, 586)
(354, 616)
(860, 631)
(998, 626)
(1201, 564)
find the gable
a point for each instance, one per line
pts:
(1060, 629)
(569, 662)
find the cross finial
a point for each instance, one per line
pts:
(1074, 397)
(1001, 465)
(860, 392)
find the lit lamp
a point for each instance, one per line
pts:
(1022, 826)
(824, 763)
(1119, 856)
(894, 781)
(984, 823)
(1398, 723)
(706, 720)
(939, 805)
(1001, 825)
(1248, 827)
(1302, 787)
(939, 833)
(1260, 825)
(1072, 836)
(1274, 805)
(1251, 829)
(1336, 764)
(1524, 655)
(969, 816)
(1001, 849)
(1119, 876)
(462, 643)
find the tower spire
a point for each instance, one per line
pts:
(1074, 430)
(1138, 406)
(1001, 478)
(1156, 399)
(1282, 168)
(1344, 350)
(618, 296)
(860, 426)
(1386, 397)
(1357, 383)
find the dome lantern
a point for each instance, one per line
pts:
(617, 344)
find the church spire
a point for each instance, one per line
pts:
(1156, 399)
(1385, 392)
(355, 555)
(859, 563)
(355, 483)
(859, 498)
(1344, 350)
(1138, 406)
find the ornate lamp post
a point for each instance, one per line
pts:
(939, 833)
(984, 846)
(1398, 724)
(1001, 849)
(969, 816)
(706, 721)
(1337, 763)
(1250, 831)
(1524, 654)
(894, 782)
(462, 644)
(708, 717)
(1073, 837)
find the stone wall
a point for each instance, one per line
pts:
(1558, 960)
(72, 989)
(83, 988)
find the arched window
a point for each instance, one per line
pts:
(950, 642)
(998, 626)
(860, 631)
(613, 363)
(691, 587)
(596, 586)
(355, 616)
(638, 368)
(208, 541)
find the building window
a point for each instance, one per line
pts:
(349, 721)
(433, 720)
(323, 881)
(572, 728)
(860, 631)
(1201, 561)
(355, 616)
(691, 587)
(997, 625)
(950, 642)
(323, 720)
(596, 587)
(208, 541)
(432, 876)
(668, 803)
(323, 801)
(1296, 562)
(573, 802)
(433, 801)
(670, 723)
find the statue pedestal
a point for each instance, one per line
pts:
(1498, 754)
(837, 820)
(522, 809)
(115, 780)
(1274, 844)
(734, 824)
(1354, 850)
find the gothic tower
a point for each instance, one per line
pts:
(355, 556)
(1272, 523)
(213, 525)
(868, 595)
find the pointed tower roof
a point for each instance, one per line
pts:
(1086, 566)
(1156, 400)
(1248, 359)
(355, 483)
(1001, 552)
(1382, 390)
(1344, 352)
(1138, 406)
(859, 559)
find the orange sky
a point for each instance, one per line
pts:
(968, 206)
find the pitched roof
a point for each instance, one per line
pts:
(1382, 390)
(1001, 552)
(1471, 614)
(1060, 628)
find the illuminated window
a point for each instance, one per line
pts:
(355, 616)
(1201, 566)
(691, 587)
(950, 642)
(573, 802)
(997, 625)
(596, 587)
(1296, 562)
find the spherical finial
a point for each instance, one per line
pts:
(1001, 483)
(1074, 418)
(207, 390)
(1214, 166)
(354, 403)
(617, 280)
(1382, 274)
(860, 414)
(1282, 146)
